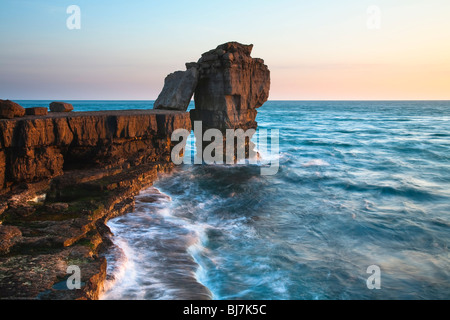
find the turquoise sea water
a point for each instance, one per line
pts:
(359, 184)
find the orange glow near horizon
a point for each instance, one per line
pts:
(361, 83)
(407, 58)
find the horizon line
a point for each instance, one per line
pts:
(286, 100)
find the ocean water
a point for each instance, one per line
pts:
(359, 184)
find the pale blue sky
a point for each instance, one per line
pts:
(314, 49)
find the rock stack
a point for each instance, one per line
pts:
(229, 86)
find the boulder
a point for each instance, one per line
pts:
(178, 89)
(60, 107)
(36, 111)
(10, 109)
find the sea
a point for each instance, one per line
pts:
(358, 209)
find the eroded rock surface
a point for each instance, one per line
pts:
(229, 86)
(232, 85)
(63, 177)
(60, 107)
(178, 90)
(36, 111)
(9, 235)
(10, 109)
(37, 148)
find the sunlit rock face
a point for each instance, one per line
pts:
(228, 86)
(231, 86)
(178, 90)
(34, 148)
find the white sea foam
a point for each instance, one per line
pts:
(123, 271)
(152, 241)
(316, 162)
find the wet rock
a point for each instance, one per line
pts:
(26, 276)
(22, 210)
(9, 235)
(58, 207)
(50, 240)
(93, 275)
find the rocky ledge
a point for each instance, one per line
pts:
(62, 177)
(34, 148)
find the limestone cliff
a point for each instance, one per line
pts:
(34, 148)
(62, 176)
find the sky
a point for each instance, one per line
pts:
(316, 50)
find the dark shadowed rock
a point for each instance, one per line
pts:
(58, 207)
(9, 235)
(6, 113)
(44, 276)
(60, 107)
(10, 109)
(2, 168)
(36, 111)
(178, 89)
